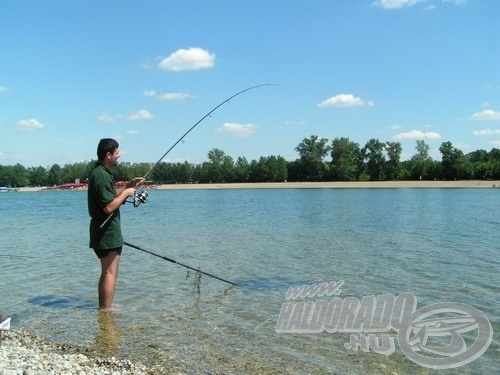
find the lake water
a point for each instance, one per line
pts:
(441, 245)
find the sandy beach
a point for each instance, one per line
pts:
(340, 185)
(325, 185)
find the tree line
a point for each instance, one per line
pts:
(319, 160)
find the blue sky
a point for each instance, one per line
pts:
(144, 72)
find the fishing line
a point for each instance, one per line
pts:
(143, 195)
(197, 270)
(203, 118)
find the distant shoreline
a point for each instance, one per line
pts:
(323, 185)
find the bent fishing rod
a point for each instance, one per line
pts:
(176, 262)
(203, 118)
(143, 196)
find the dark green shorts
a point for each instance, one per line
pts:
(102, 253)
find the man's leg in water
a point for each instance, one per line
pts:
(107, 281)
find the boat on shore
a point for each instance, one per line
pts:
(4, 189)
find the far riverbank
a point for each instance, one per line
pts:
(325, 185)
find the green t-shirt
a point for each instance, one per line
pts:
(101, 191)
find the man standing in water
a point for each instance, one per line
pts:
(105, 200)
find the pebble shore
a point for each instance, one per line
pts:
(22, 353)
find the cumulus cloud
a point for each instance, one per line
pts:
(293, 123)
(173, 96)
(104, 117)
(344, 100)
(456, 2)
(398, 4)
(150, 93)
(395, 4)
(29, 125)
(486, 132)
(416, 134)
(238, 130)
(193, 58)
(144, 66)
(140, 115)
(486, 115)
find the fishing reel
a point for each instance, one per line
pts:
(141, 197)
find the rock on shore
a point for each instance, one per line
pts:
(25, 354)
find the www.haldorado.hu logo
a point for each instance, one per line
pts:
(430, 336)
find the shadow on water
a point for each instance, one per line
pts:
(271, 284)
(62, 302)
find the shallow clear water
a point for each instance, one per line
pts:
(442, 245)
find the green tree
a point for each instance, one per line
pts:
(373, 155)
(241, 170)
(159, 173)
(494, 157)
(294, 172)
(38, 176)
(481, 164)
(269, 169)
(77, 171)
(201, 173)
(421, 162)
(278, 168)
(312, 152)
(184, 172)
(454, 163)
(221, 166)
(393, 165)
(344, 164)
(141, 169)
(55, 175)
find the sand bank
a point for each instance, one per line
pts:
(340, 185)
(324, 185)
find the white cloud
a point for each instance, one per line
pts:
(398, 4)
(486, 115)
(456, 2)
(344, 100)
(104, 117)
(132, 132)
(416, 134)
(486, 132)
(292, 123)
(495, 143)
(4, 89)
(172, 96)
(144, 66)
(395, 4)
(238, 130)
(140, 115)
(29, 125)
(193, 58)
(150, 93)
(395, 127)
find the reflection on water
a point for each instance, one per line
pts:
(62, 302)
(107, 339)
